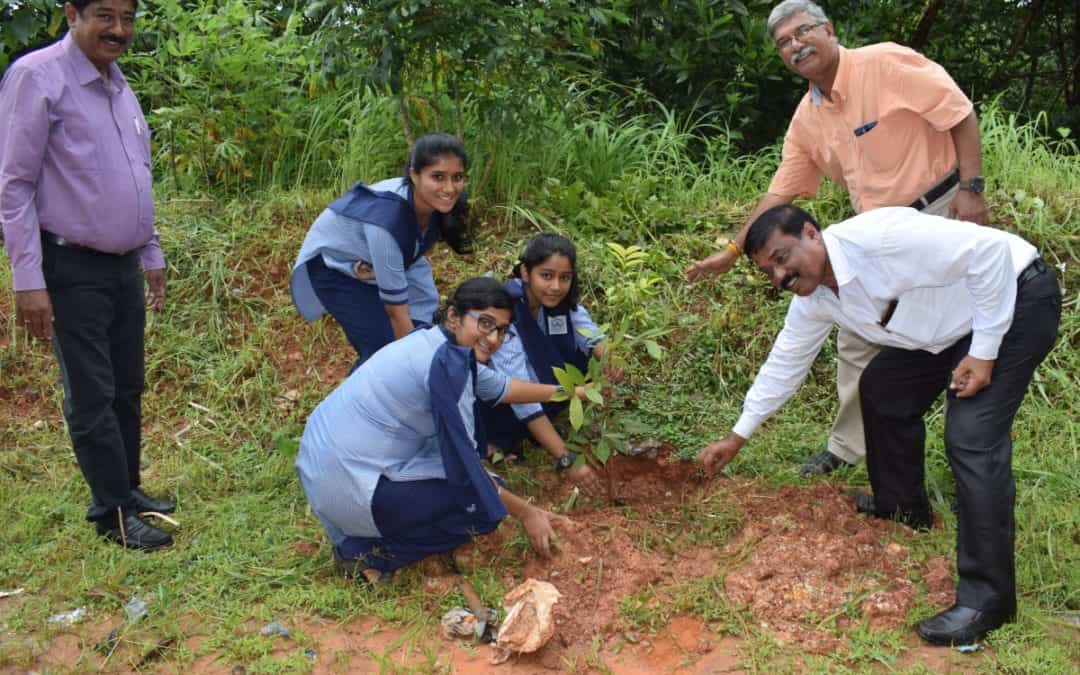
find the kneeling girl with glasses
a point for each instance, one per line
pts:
(390, 461)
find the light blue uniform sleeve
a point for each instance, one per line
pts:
(581, 319)
(491, 386)
(511, 360)
(389, 266)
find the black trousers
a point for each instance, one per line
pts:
(897, 389)
(99, 314)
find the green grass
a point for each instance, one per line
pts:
(232, 373)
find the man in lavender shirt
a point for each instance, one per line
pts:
(78, 219)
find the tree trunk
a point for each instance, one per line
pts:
(458, 126)
(406, 125)
(921, 36)
(436, 100)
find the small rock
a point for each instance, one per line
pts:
(40, 424)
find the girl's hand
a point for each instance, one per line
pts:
(363, 271)
(537, 524)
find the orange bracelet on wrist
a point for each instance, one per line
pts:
(734, 248)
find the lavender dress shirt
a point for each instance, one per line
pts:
(74, 160)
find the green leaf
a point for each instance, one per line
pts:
(565, 379)
(577, 413)
(594, 395)
(654, 349)
(575, 373)
(602, 451)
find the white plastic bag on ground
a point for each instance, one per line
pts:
(530, 619)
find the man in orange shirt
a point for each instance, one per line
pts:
(893, 129)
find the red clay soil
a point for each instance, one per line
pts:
(814, 562)
(803, 564)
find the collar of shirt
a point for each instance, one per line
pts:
(838, 261)
(87, 72)
(840, 82)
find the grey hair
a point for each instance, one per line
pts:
(789, 8)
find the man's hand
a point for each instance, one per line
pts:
(970, 376)
(716, 455)
(33, 311)
(155, 289)
(537, 524)
(969, 206)
(716, 264)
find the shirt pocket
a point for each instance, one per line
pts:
(915, 317)
(881, 149)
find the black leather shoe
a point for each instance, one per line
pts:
(960, 625)
(821, 464)
(133, 532)
(144, 503)
(864, 503)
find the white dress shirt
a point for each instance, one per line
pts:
(948, 278)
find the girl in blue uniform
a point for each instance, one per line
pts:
(363, 258)
(391, 459)
(546, 333)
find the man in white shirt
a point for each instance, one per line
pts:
(953, 305)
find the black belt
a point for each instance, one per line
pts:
(1033, 270)
(938, 191)
(57, 240)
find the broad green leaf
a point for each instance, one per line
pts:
(565, 379)
(602, 451)
(594, 395)
(577, 413)
(574, 372)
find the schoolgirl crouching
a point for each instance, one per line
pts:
(550, 329)
(363, 258)
(390, 461)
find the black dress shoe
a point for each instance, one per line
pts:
(144, 503)
(921, 520)
(960, 625)
(133, 532)
(821, 464)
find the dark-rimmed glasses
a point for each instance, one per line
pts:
(487, 325)
(799, 34)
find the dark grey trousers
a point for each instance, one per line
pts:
(897, 389)
(99, 314)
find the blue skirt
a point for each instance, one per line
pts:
(417, 519)
(504, 430)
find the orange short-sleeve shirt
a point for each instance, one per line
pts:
(903, 105)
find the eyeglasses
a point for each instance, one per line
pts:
(487, 325)
(799, 34)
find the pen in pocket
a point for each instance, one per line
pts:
(860, 130)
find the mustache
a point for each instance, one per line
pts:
(803, 53)
(114, 38)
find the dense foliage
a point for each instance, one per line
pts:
(246, 94)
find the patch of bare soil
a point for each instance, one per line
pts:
(814, 561)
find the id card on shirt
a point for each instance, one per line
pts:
(557, 325)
